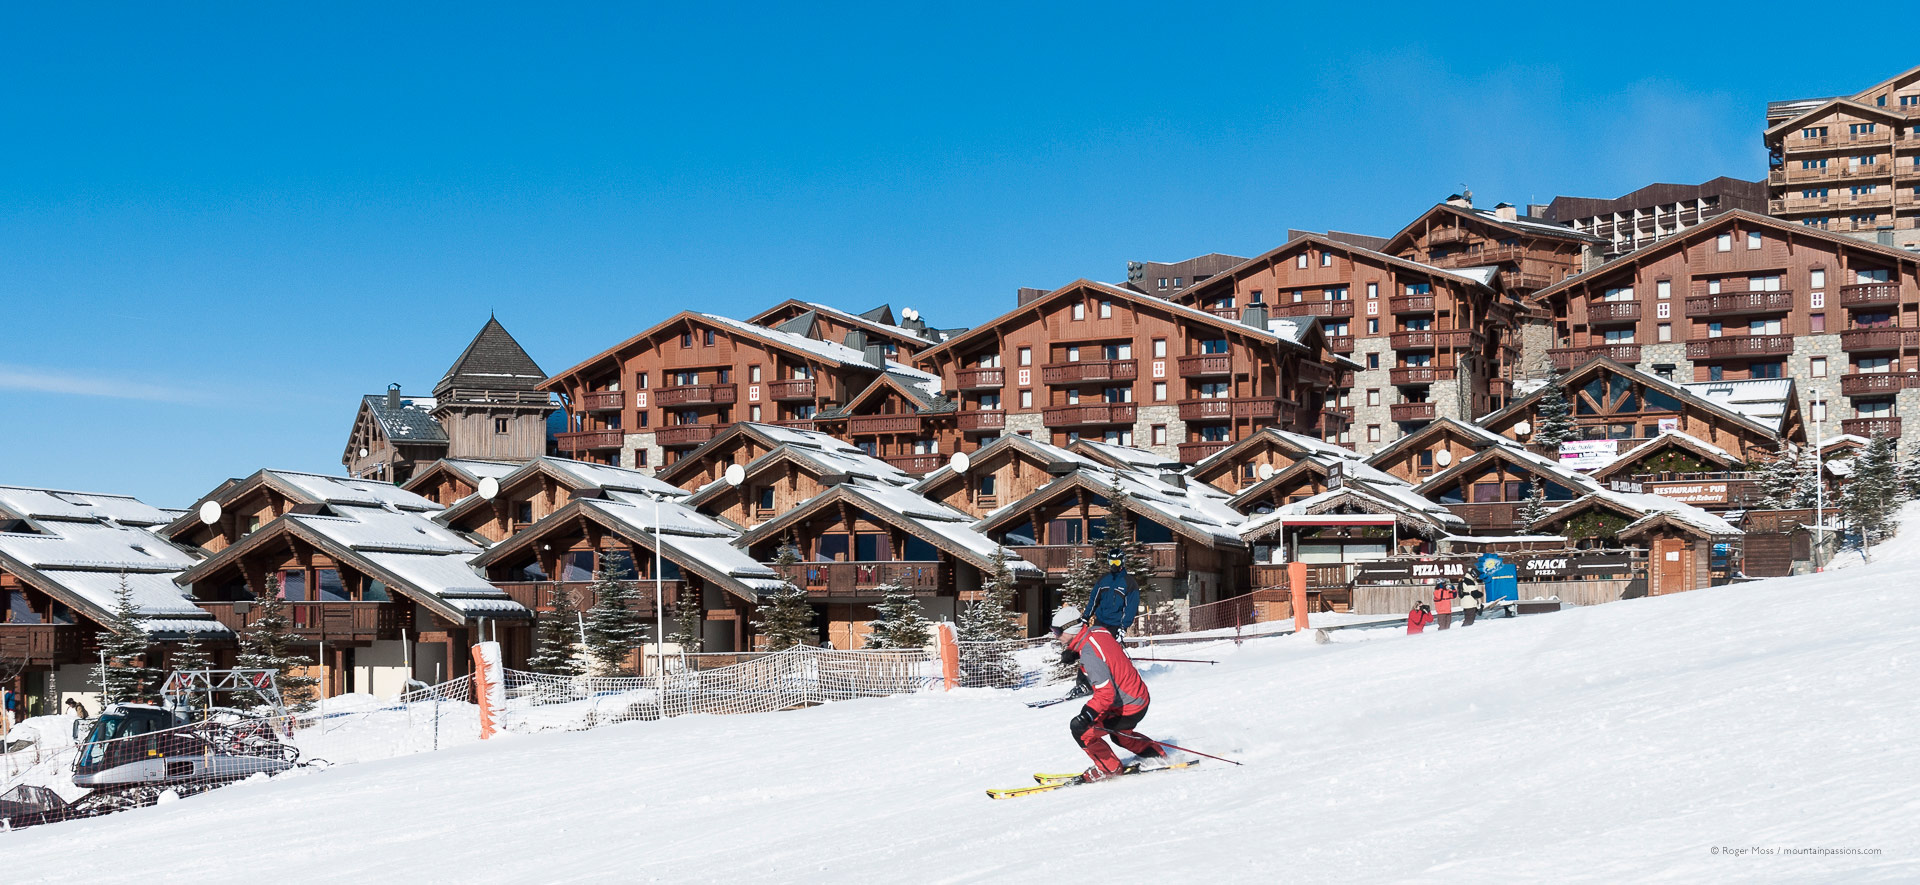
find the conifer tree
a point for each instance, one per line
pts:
(189, 654)
(268, 645)
(556, 638)
(1870, 498)
(1910, 476)
(686, 621)
(125, 678)
(1535, 507)
(1117, 536)
(1811, 475)
(786, 618)
(1553, 415)
(987, 629)
(1780, 479)
(614, 627)
(898, 622)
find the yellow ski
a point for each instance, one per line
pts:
(1073, 780)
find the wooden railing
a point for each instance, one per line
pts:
(39, 645)
(686, 434)
(582, 440)
(1740, 302)
(1229, 313)
(1446, 235)
(1877, 383)
(1870, 295)
(981, 421)
(603, 400)
(1887, 338)
(1206, 409)
(1201, 365)
(1087, 371)
(1314, 374)
(539, 595)
(1340, 343)
(1613, 311)
(1427, 338)
(1869, 427)
(1401, 375)
(916, 464)
(343, 621)
(1096, 413)
(1169, 560)
(864, 578)
(1513, 279)
(1320, 576)
(1195, 452)
(981, 379)
(1738, 346)
(791, 388)
(1569, 357)
(1340, 308)
(1498, 515)
(696, 395)
(872, 424)
(1410, 304)
(1412, 411)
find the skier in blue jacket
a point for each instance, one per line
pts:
(1115, 599)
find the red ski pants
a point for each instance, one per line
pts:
(1087, 732)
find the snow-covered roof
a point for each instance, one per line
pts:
(691, 539)
(1765, 400)
(848, 316)
(1194, 509)
(81, 563)
(1695, 442)
(318, 488)
(932, 521)
(1482, 275)
(1127, 456)
(1395, 497)
(830, 351)
(21, 502)
(412, 422)
(476, 469)
(605, 476)
(1044, 451)
(1651, 506)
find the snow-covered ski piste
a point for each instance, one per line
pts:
(1769, 730)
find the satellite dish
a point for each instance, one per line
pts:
(363, 451)
(1523, 428)
(1264, 471)
(960, 462)
(735, 475)
(489, 487)
(210, 512)
(1443, 457)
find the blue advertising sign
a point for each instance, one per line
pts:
(1502, 579)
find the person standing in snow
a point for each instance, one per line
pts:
(1115, 600)
(1119, 698)
(1469, 607)
(76, 709)
(1443, 597)
(1418, 618)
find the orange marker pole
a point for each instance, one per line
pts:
(949, 655)
(1297, 581)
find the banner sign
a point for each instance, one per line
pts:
(1413, 571)
(1626, 485)
(1566, 565)
(1587, 454)
(1691, 492)
(1336, 476)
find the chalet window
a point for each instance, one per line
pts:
(1662, 310)
(499, 425)
(1874, 409)
(1818, 412)
(1373, 433)
(1106, 308)
(1214, 433)
(706, 338)
(766, 498)
(1213, 390)
(686, 339)
(1714, 329)
(1373, 360)
(19, 611)
(1159, 436)
(1863, 160)
(753, 414)
(1373, 397)
(753, 374)
(1814, 132)
(1716, 373)
(1073, 354)
(1753, 240)
(990, 402)
(639, 457)
(1713, 287)
(1765, 370)
(984, 485)
(331, 588)
(1486, 492)
(577, 565)
(1326, 259)
(1723, 243)
(1416, 324)
(1873, 365)
(1163, 282)
(1870, 276)
(1118, 351)
(292, 585)
(1817, 278)
(1864, 128)
(523, 511)
(1816, 322)
(1300, 261)
(803, 413)
(1820, 163)
(926, 447)
(1176, 282)
(1159, 348)
(1817, 367)
(1026, 399)
(1299, 295)
(1373, 327)
(1338, 293)
(1419, 288)
(1026, 356)
(1764, 327)
(1079, 310)
(989, 360)
(1159, 391)
(1213, 345)
(1118, 437)
(1373, 290)
(1623, 293)
(1665, 332)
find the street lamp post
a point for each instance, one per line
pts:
(659, 589)
(1819, 481)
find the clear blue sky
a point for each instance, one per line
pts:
(220, 226)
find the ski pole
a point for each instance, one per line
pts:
(1171, 661)
(1149, 740)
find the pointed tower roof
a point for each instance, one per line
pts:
(493, 361)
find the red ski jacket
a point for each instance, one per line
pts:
(1418, 620)
(1117, 686)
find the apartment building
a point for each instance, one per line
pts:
(1169, 278)
(1748, 296)
(899, 339)
(1650, 213)
(1849, 163)
(1100, 362)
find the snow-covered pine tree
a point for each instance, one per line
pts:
(1117, 536)
(987, 630)
(268, 645)
(1082, 574)
(1808, 478)
(125, 677)
(1535, 507)
(898, 622)
(786, 618)
(1910, 475)
(1780, 479)
(1869, 500)
(1553, 414)
(686, 621)
(556, 638)
(189, 654)
(614, 627)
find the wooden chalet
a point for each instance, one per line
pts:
(1000, 472)
(1262, 455)
(1681, 467)
(449, 480)
(1369, 518)
(699, 564)
(364, 570)
(1529, 254)
(1679, 539)
(1491, 489)
(741, 443)
(900, 339)
(859, 536)
(1434, 448)
(1611, 401)
(63, 556)
(788, 476)
(900, 419)
(1093, 361)
(647, 401)
(542, 486)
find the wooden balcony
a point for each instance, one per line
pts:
(1220, 409)
(1169, 560)
(1088, 413)
(1405, 375)
(981, 379)
(1412, 411)
(864, 425)
(1447, 235)
(1735, 346)
(1089, 371)
(1734, 303)
(1410, 304)
(587, 440)
(40, 645)
(319, 621)
(1516, 280)
(1195, 452)
(1341, 308)
(1257, 408)
(1444, 339)
(1498, 517)
(1872, 339)
(917, 464)
(791, 389)
(1340, 343)
(686, 434)
(1869, 170)
(603, 400)
(1565, 358)
(1870, 295)
(1871, 427)
(981, 421)
(1206, 365)
(1314, 374)
(696, 395)
(1877, 383)
(1225, 313)
(1331, 576)
(539, 595)
(1613, 311)
(864, 578)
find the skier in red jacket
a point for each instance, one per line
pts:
(1119, 698)
(1418, 618)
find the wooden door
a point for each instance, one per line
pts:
(1671, 566)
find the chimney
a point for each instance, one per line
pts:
(1026, 294)
(1541, 210)
(1505, 212)
(877, 355)
(393, 397)
(1255, 315)
(1461, 200)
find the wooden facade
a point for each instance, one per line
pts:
(1250, 461)
(1417, 456)
(1490, 490)
(1529, 254)
(899, 423)
(999, 473)
(1847, 163)
(1613, 402)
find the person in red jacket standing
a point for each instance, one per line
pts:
(1418, 618)
(1119, 698)
(1443, 596)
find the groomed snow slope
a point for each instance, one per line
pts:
(1620, 742)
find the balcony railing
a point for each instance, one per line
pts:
(1870, 427)
(1258, 408)
(1446, 339)
(1088, 371)
(1889, 338)
(1340, 343)
(1169, 560)
(1877, 383)
(686, 434)
(42, 645)
(1341, 308)
(540, 595)
(917, 464)
(1405, 375)
(603, 400)
(1496, 516)
(864, 578)
(1613, 311)
(992, 378)
(1514, 279)
(1094, 413)
(1204, 365)
(1445, 235)
(1739, 346)
(1412, 411)
(1228, 313)
(981, 421)
(1195, 452)
(1870, 295)
(1569, 357)
(791, 389)
(1726, 303)
(861, 425)
(1410, 304)
(696, 395)
(1206, 409)
(315, 621)
(584, 440)
(1313, 374)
